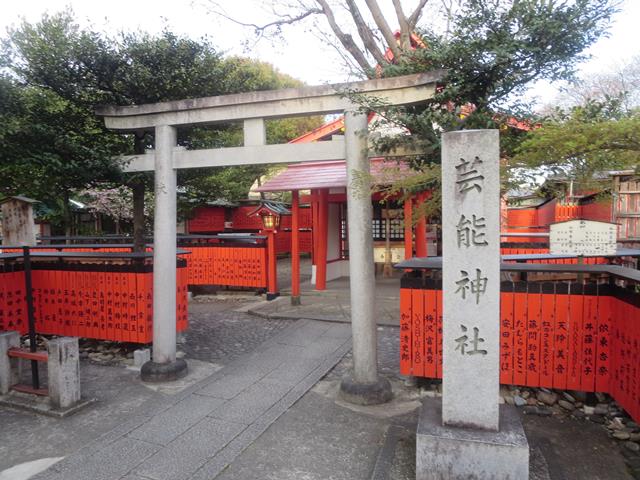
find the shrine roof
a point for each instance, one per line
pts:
(19, 198)
(332, 174)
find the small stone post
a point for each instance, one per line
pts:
(8, 366)
(63, 367)
(18, 227)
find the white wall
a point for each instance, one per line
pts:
(333, 235)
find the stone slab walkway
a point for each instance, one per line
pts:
(197, 433)
(330, 305)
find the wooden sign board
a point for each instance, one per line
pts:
(583, 237)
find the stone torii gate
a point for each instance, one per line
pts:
(253, 109)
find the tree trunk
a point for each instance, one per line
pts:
(66, 215)
(386, 31)
(405, 29)
(366, 34)
(138, 190)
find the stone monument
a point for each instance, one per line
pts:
(469, 436)
(18, 227)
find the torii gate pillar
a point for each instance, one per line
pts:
(364, 386)
(164, 366)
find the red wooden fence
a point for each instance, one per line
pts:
(554, 335)
(207, 263)
(228, 266)
(91, 300)
(559, 261)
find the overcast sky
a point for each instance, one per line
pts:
(302, 56)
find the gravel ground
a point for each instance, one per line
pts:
(388, 357)
(218, 334)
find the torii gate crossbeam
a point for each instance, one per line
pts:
(253, 109)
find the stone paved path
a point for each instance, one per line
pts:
(199, 432)
(333, 304)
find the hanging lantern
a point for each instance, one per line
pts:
(270, 220)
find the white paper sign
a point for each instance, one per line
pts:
(582, 237)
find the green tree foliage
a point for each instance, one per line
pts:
(50, 146)
(495, 49)
(576, 144)
(491, 54)
(57, 73)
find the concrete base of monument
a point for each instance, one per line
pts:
(295, 301)
(449, 453)
(41, 405)
(163, 372)
(365, 393)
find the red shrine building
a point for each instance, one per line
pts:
(318, 220)
(317, 224)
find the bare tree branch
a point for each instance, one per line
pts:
(415, 16)
(348, 60)
(382, 24)
(365, 33)
(405, 33)
(260, 29)
(299, 10)
(345, 39)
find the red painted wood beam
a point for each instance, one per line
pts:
(22, 388)
(272, 274)
(314, 224)
(323, 227)
(295, 247)
(27, 354)
(421, 230)
(408, 228)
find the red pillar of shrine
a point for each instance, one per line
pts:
(272, 275)
(421, 229)
(295, 247)
(314, 223)
(323, 228)
(408, 228)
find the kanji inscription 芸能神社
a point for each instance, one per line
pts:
(467, 175)
(471, 278)
(463, 342)
(471, 231)
(476, 286)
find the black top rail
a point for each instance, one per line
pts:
(63, 246)
(182, 240)
(106, 255)
(621, 252)
(130, 238)
(622, 273)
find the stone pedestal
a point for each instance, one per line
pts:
(164, 372)
(63, 368)
(8, 366)
(451, 453)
